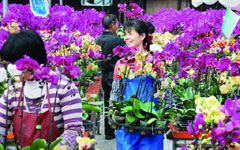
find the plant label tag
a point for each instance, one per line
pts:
(40, 7)
(229, 23)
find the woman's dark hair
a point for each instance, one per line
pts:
(25, 42)
(108, 20)
(139, 26)
(151, 27)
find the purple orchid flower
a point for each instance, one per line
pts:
(91, 53)
(27, 63)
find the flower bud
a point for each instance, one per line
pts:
(16, 78)
(192, 147)
(5, 85)
(200, 127)
(204, 141)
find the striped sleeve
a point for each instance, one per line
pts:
(71, 106)
(3, 107)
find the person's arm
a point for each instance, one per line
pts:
(71, 107)
(3, 106)
(116, 92)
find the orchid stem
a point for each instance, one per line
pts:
(53, 112)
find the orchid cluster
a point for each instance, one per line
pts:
(215, 123)
(133, 11)
(84, 143)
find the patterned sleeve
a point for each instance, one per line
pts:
(71, 108)
(116, 76)
(3, 100)
(116, 94)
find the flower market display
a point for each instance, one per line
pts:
(193, 67)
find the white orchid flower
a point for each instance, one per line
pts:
(3, 75)
(12, 69)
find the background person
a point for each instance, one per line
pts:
(108, 40)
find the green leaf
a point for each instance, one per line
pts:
(25, 148)
(38, 144)
(94, 96)
(97, 103)
(188, 94)
(130, 118)
(55, 143)
(85, 115)
(150, 121)
(136, 108)
(92, 108)
(147, 107)
(1, 147)
(126, 109)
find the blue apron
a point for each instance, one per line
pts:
(135, 141)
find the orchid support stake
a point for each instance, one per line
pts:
(21, 115)
(125, 77)
(206, 84)
(53, 112)
(6, 126)
(141, 79)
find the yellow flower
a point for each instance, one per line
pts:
(131, 75)
(191, 72)
(84, 141)
(157, 94)
(222, 77)
(90, 67)
(226, 88)
(140, 56)
(237, 81)
(63, 147)
(77, 32)
(74, 47)
(138, 72)
(211, 100)
(226, 50)
(234, 80)
(154, 74)
(216, 115)
(148, 67)
(200, 100)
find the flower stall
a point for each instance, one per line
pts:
(195, 71)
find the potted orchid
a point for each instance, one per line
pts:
(219, 123)
(136, 115)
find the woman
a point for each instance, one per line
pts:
(133, 83)
(38, 100)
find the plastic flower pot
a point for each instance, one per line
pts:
(143, 123)
(129, 129)
(118, 119)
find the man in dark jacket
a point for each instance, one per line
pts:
(108, 40)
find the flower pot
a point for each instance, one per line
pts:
(118, 119)
(182, 122)
(129, 129)
(144, 132)
(158, 131)
(161, 124)
(143, 123)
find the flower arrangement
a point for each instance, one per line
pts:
(219, 124)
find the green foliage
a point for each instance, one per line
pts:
(41, 144)
(89, 105)
(137, 112)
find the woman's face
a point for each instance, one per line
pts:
(132, 38)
